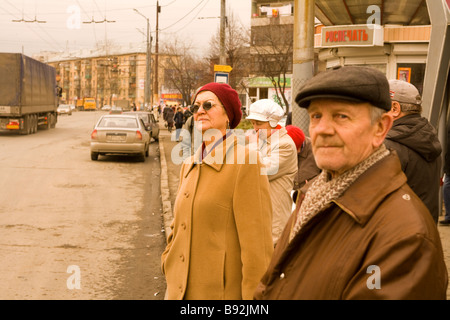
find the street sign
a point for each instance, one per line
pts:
(221, 77)
(222, 68)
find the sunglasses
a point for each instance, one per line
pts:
(206, 106)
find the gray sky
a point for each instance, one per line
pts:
(65, 26)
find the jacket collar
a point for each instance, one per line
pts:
(364, 195)
(211, 159)
(278, 133)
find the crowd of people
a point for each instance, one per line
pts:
(349, 212)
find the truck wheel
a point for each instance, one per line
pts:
(35, 123)
(54, 120)
(26, 125)
(94, 156)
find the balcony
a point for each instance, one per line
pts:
(266, 15)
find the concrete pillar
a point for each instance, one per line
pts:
(303, 60)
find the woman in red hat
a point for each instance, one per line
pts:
(221, 241)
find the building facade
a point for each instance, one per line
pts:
(271, 50)
(398, 46)
(106, 77)
(400, 52)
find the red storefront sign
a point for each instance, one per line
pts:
(352, 36)
(171, 96)
(346, 35)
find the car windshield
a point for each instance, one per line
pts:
(142, 116)
(109, 122)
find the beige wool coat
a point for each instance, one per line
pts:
(221, 243)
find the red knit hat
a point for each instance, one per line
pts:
(296, 134)
(229, 99)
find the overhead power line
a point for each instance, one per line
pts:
(183, 16)
(54, 43)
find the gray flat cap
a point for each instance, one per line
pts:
(358, 84)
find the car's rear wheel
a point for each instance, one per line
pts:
(94, 156)
(147, 150)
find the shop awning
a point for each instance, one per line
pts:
(346, 12)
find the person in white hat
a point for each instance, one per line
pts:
(279, 155)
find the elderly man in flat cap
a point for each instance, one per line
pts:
(359, 231)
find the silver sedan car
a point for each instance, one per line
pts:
(120, 134)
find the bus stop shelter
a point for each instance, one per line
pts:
(383, 12)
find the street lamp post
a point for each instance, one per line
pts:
(148, 83)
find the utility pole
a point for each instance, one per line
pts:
(223, 56)
(148, 81)
(156, 91)
(106, 64)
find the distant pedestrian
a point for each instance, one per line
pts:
(221, 243)
(191, 138)
(178, 119)
(164, 113)
(187, 113)
(417, 144)
(169, 115)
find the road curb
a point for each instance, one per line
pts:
(165, 191)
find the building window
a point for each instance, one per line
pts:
(414, 72)
(263, 93)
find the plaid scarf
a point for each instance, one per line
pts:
(323, 190)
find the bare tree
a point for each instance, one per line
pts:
(272, 54)
(237, 47)
(184, 71)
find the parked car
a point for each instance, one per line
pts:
(106, 107)
(115, 110)
(120, 134)
(64, 109)
(150, 122)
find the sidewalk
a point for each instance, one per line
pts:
(169, 184)
(169, 176)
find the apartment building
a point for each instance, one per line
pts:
(118, 75)
(271, 50)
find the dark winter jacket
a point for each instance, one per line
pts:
(447, 153)
(169, 116)
(179, 119)
(419, 150)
